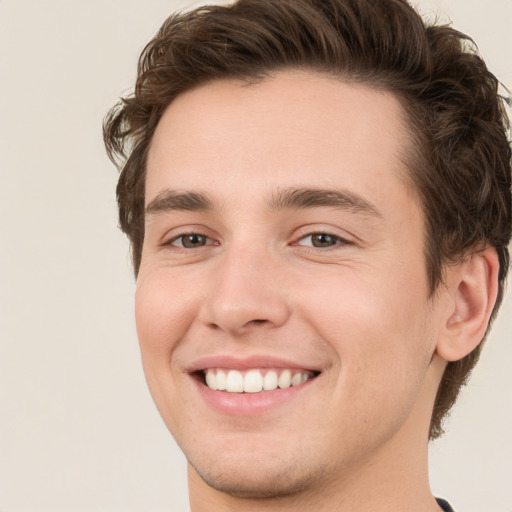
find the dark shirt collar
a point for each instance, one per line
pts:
(444, 505)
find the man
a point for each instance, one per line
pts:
(317, 194)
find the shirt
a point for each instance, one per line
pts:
(444, 505)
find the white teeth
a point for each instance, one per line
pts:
(221, 380)
(235, 382)
(211, 381)
(253, 381)
(270, 380)
(285, 379)
(296, 379)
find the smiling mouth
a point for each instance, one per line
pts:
(254, 380)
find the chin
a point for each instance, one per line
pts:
(258, 479)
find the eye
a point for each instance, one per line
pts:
(190, 241)
(320, 240)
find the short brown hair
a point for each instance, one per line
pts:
(462, 158)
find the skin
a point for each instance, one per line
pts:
(358, 310)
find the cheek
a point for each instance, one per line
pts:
(377, 324)
(380, 344)
(162, 314)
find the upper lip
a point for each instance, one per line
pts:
(247, 362)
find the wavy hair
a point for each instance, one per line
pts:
(460, 165)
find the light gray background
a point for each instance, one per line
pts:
(78, 431)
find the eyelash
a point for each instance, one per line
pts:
(172, 241)
(338, 241)
(336, 238)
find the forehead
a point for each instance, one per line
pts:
(291, 129)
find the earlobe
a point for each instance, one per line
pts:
(473, 285)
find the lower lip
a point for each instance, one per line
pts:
(249, 404)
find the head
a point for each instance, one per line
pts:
(457, 159)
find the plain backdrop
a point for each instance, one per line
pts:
(78, 430)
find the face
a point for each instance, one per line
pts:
(283, 263)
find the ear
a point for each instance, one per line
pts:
(473, 287)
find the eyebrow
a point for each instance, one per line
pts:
(169, 200)
(288, 198)
(303, 198)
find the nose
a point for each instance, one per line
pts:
(248, 291)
